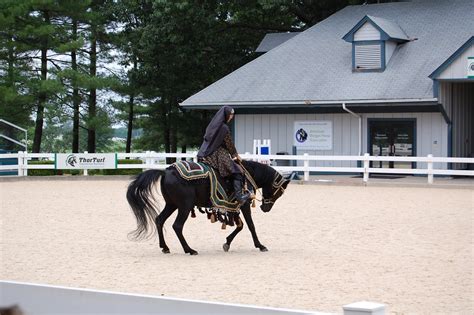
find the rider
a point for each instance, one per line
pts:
(218, 150)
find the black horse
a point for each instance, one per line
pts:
(185, 196)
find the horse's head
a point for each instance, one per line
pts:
(273, 190)
(272, 183)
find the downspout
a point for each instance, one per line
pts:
(360, 125)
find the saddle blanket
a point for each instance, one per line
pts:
(191, 170)
(220, 200)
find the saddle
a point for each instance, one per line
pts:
(221, 198)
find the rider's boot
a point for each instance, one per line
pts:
(241, 197)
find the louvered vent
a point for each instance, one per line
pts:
(368, 57)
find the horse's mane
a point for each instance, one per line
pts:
(261, 172)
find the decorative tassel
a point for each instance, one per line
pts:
(220, 217)
(213, 218)
(223, 226)
(193, 213)
(253, 203)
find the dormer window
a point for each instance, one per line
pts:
(374, 41)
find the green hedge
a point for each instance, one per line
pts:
(52, 172)
(43, 172)
(130, 171)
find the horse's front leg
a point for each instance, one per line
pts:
(248, 219)
(229, 238)
(160, 221)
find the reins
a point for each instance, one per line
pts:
(252, 182)
(248, 176)
(277, 184)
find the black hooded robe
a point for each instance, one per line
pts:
(217, 149)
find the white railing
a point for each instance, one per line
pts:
(154, 160)
(37, 299)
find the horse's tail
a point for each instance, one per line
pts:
(141, 200)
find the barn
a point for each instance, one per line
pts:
(393, 79)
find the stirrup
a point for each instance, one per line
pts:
(244, 197)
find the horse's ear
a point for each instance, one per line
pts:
(286, 183)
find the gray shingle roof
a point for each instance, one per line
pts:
(316, 65)
(273, 40)
(390, 28)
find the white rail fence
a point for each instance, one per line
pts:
(154, 160)
(40, 299)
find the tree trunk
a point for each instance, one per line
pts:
(130, 112)
(11, 64)
(130, 124)
(42, 95)
(166, 131)
(174, 135)
(10, 83)
(173, 123)
(76, 101)
(183, 150)
(93, 93)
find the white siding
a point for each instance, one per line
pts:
(389, 50)
(458, 68)
(367, 32)
(431, 133)
(368, 56)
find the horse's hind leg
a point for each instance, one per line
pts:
(231, 236)
(160, 221)
(183, 213)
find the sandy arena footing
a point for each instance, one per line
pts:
(410, 248)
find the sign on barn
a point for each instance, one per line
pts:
(470, 67)
(313, 135)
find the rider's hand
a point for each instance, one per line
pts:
(238, 158)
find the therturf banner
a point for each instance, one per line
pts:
(77, 161)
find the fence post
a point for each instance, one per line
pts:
(306, 166)
(194, 158)
(20, 163)
(147, 160)
(366, 167)
(153, 160)
(430, 169)
(364, 308)
(25, 163)
(86, 171)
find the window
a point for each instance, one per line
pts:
(367, 56)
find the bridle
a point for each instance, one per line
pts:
(277, 185)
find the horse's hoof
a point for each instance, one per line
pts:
(226, 247)
(192, 252)
(263, 249)
(165, 250)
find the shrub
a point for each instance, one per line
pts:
(132, 171)
(42, 172)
